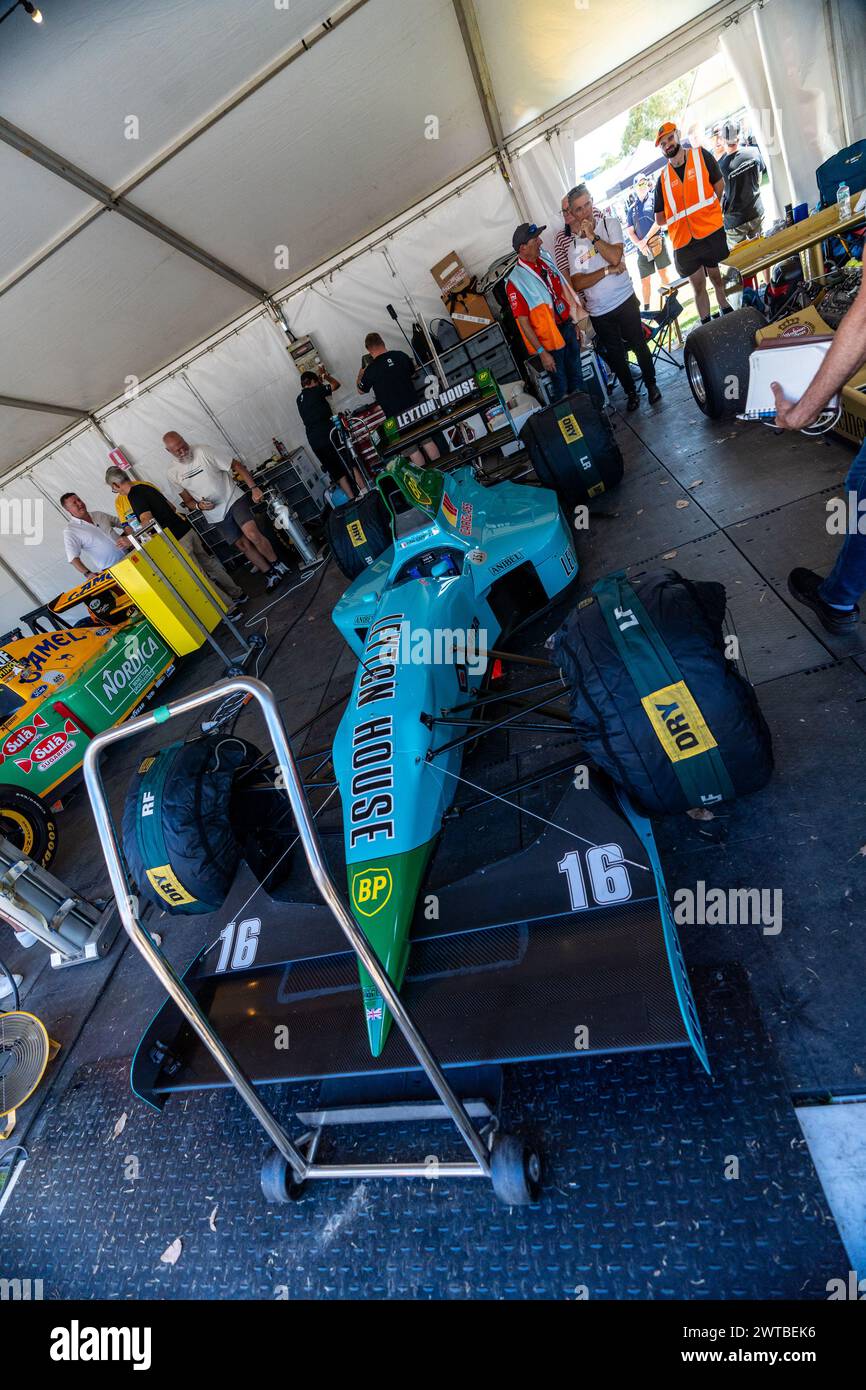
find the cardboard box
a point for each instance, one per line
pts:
(450, 274)
(469, 313)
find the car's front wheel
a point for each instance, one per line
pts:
(27, 823)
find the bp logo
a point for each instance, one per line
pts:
(371, 890)
(417, 492)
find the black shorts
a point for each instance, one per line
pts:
(238, 514)
(706, 251)
(328, 457)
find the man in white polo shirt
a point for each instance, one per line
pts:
(599, 275)
(90, 534)
(203, 478)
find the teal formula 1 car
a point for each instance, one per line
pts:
(467, 565)
(567, 943)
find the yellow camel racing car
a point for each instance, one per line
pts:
(58, 688)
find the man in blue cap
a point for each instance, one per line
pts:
(544, 308)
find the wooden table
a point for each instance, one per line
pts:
(803, 239)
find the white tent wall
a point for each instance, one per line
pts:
(848, 33)
(13, 602)
(784, 58)
(34, 551)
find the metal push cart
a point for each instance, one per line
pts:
(513, 1167)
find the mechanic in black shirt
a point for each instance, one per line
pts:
(742, 168)
(390, 377)
(148, 504)
(315, 410)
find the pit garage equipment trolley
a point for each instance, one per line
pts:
(513, 1167)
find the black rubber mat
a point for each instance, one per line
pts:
(639, 1200)
(808, 977)
(773, 640)
(639, 518)
(775, 542)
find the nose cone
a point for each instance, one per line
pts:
(383, 893)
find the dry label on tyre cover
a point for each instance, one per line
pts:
(570, 429)
(356, 534)
(168, 886)
(678, 722)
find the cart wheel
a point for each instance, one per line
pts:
(258, 642)
(515, 1169)
(279, 1183)
(234, 670)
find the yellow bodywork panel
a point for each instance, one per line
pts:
(142, 575)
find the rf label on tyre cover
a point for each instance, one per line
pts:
(570, 429)
(356, 534)
(678, 722)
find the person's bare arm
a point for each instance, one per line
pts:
(79, 565)
(719, 188)
(592, 277)
(188, 500)
(331, 380)
(611, 250)
(255, 490)
(532, 338)
(846, 356)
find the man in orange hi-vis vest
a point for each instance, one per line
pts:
(688, 206)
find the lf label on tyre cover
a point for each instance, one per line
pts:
(677, 722)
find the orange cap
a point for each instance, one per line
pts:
(667, 129)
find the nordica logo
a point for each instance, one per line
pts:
(115, 679)
(77, 1343)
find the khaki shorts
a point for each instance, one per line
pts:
(747, 231)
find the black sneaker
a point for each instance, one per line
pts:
(653, 393)
(728, 309)
(632, 403)
(274, 578)
(803, 585)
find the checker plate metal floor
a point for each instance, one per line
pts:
(637, 1203)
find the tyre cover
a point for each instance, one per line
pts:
(655, 701)
(572, 448)
(358, 533)
(177, 836)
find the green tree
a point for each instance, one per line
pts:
(645, 118)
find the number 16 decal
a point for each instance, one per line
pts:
(608, 877)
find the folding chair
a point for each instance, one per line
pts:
(659, 327)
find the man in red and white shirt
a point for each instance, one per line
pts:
(544, 305)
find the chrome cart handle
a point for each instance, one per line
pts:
(309, 838)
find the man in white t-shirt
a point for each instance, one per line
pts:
(203, 478)
(92, 535)
(599, 275)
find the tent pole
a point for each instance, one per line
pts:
(440, 370)
(470, 32)
(19, 582)
(236, 453)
